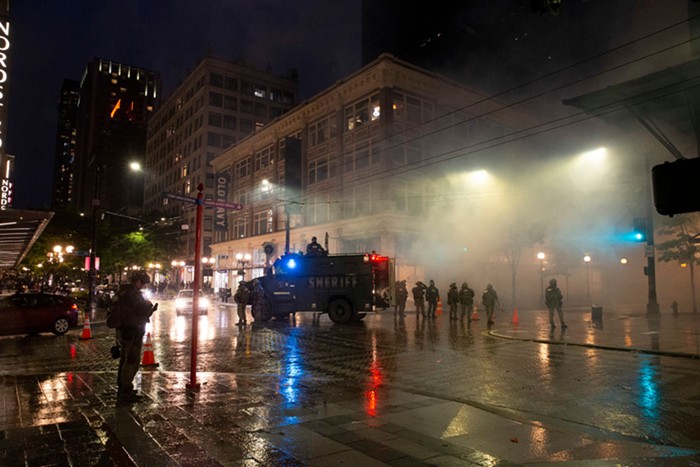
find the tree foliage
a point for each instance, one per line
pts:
(121, 242)
(679, 232)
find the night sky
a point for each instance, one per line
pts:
(54, 40)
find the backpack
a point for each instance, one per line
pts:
(114, 315)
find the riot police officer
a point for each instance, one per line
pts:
(241, 298)
(432, 295)
(466, 300)
(401, 297)
(490, 299)
(453, 301)
(554, 299)
(418, 292)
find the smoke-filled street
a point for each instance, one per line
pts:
(387, 391)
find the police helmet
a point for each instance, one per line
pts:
(489, 286)
(432, 282)
(454, 284)
(553, 282)
(464, 285)
(139, 276)
(313, 239)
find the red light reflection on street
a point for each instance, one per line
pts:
(375, 381)
(73, 352)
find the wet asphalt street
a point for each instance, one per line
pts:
(387, 391)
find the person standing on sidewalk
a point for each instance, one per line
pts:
(490, 299)
(241, 298)
(554, 299)
(419, 299)
(134, 312)
(432, 295)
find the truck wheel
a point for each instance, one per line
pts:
(340, 311)
(261, 311)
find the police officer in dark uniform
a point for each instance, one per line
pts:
(489, 299)
(554, 299)
(314, 248)
(453, 301)
(418, 292)
(432, 295)
(241, 298)
(466, 300)
(401, 297)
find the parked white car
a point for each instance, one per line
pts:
(183, 302)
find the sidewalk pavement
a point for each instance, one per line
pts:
(624, 329)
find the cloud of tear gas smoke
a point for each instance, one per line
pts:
(481, 224)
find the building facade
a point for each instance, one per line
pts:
(64, 168)
(374, 150)
(218, 104)
(115, 104)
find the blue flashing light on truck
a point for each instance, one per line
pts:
(346, 287)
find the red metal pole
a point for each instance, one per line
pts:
(193, 384)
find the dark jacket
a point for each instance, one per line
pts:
(134, 310)
(553, 297)
(432, 294)
(453, 296)
(466, 296)
(242, 296)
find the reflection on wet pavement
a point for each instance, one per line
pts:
(385, 391)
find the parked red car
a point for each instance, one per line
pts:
(32, 313)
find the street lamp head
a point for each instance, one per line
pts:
(135, 166)
(540, 255)
(239, 256)
(247, 257)
(587, 258)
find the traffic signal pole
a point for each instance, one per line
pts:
(652, 304)
(193, 385)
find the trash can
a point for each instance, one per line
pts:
(597, 313)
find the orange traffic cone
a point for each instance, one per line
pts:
(438, 310)
(515, 316)
(87, 332)
(475, 315)
(148, 358)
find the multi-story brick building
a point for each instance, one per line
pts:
(369, 148)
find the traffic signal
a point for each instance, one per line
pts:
(639, 233)
(675, 186)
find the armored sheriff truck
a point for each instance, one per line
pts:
(346, 287)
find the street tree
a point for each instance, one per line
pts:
(682, 233)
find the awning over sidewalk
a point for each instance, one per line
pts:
(19, 229)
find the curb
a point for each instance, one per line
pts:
(597, 346)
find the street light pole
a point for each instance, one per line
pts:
(92, 274)
(587, 260)
(540, 256)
